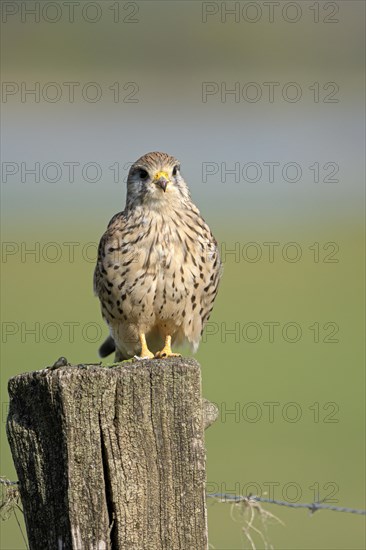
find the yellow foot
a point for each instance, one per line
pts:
(145, 352)
(167, 350)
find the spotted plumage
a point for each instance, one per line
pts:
(158, 265)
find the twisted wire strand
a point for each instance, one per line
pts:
(312, 507)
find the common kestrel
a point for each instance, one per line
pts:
(158, 266)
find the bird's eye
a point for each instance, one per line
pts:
(143, 174)
(175, 170)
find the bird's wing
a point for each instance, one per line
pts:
(204, 265)
(117, 222)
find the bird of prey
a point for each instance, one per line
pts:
(158, 266)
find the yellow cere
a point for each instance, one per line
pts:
(159, 175)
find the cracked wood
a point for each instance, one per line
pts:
(111, 458)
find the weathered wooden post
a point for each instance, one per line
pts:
(111, 458)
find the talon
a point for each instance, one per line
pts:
(167, 350)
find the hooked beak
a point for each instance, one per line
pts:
(161, 179)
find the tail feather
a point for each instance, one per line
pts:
(107, 347)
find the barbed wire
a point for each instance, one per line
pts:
(7, 482)
(222, 497)
(313, 507)
(9, 503)
(9, 497)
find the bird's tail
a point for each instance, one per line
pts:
(107, 347)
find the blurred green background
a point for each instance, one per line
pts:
(160, 54)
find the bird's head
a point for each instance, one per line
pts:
(154, 180)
